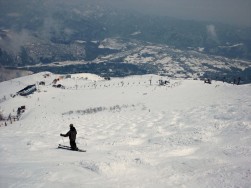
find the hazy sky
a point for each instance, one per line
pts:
(230, 11)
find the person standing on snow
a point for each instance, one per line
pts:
(72, 133)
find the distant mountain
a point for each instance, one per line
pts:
(123, 57)
(33, 32)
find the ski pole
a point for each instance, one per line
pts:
(62, 139)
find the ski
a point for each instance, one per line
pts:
(64, 146)
(60, 146)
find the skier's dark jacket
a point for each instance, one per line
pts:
(71, 133)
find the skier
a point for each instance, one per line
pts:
(72, 136)
(239, 80)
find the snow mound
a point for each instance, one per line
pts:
(87, 76)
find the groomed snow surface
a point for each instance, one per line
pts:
(184, 134)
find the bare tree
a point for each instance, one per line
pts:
(1, 116)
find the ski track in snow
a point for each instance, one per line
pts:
(190, 135)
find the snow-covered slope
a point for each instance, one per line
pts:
(136, 133)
